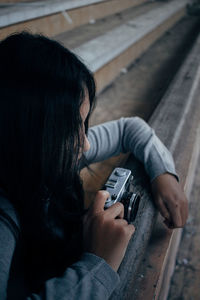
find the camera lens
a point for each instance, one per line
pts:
(131, 205)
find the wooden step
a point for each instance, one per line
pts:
(186, 276)
(16, 1)
(51, 18)
(176, 122)
(75, 38)
(139, 90)
(141, 281)
(20, 12)
(109, 53)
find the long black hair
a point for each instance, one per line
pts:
(42, 86)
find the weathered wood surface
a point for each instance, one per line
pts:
(185, 282)
(19, 12)
(138, 92)
(176, 121)
(79, 12)
(67, 20)
(87, 32)
(107, 54)
(139, 100)
(16, 1)
(107, 73)
(170, 257)
(100, 51)
(118, 108)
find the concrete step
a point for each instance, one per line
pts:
(53, 17)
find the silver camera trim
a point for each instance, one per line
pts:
(120, 177)
(119, 185)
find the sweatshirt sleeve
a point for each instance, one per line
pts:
(130, 135)
(7, 246)
(89, 278)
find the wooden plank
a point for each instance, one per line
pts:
(110, 71)
(58, 23)
(136, 93)
(136, 281)
(162, 288)
(143, 281)
(75, 38)
(21, 12)
(138, 33)
(155, 274)
(169, 262)
(186, 278)
(100, 51)
(16, 1)
(180, 103)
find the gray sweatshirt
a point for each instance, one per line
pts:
(91, 277)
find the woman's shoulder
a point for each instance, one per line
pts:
(9, 237)
(8, 214)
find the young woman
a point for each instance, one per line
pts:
(49, 248)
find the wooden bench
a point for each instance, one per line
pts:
(51, 18)
(150, 258)
(108, 54)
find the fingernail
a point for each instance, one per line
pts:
(105, 193)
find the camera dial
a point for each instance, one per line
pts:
(120, 187)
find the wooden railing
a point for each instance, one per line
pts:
(149, 262)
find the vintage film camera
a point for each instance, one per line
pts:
(120, 187)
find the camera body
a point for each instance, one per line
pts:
(120, 187)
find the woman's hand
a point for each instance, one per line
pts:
(106, 233)
(170, 200)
